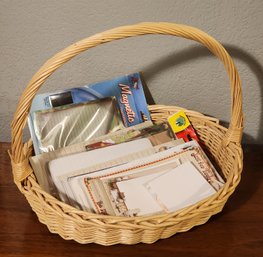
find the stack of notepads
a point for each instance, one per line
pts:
(136, 171)
(98, 150)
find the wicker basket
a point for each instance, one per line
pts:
(222, 143)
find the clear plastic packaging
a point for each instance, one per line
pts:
(70, 124)
(128, 91)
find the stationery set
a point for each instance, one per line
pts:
(97, 149)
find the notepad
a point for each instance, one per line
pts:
(74, 162)
(71, 124)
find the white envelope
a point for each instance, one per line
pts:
(179, 187)
(137, 197)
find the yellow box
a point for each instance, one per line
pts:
(178, 121)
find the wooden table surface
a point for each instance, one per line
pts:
(236, 231)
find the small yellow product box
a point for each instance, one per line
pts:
(178, 122)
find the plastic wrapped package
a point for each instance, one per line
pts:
(128, 91)
(70, 124)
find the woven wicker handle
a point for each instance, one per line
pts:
(18, 151)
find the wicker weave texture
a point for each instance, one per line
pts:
(222, 143)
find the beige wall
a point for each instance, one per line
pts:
(177, 71)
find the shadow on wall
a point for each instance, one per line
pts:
(197, 52)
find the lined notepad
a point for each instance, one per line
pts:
(71, 124)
